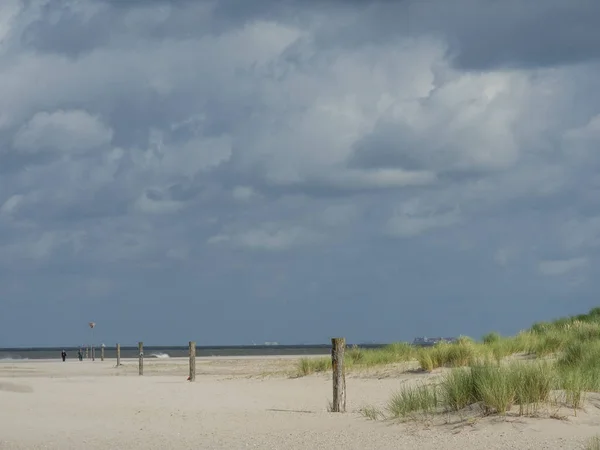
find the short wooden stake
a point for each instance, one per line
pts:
(118, 355)
(338, 345)
(93, 353)
(141, 360)
(87, 352)
(192, 361)
(102, 353)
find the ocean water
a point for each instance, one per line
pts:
(14, 354)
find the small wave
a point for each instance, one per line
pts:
(13, 358)
(160, 355)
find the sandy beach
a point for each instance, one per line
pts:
(240, 403)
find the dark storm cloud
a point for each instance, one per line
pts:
(492, 34)
(277, 159)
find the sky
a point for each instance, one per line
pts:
(242, 171)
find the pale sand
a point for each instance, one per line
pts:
(234, 405)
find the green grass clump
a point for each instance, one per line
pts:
(491, 338)
(574, 384)
(495, 388)
(402, 351)
(548, 343)
(533, 384)
(585, 331)
(371, 412)
(308, 366)
(593, 443)
(457, 389)
(390, 354)
(427, 361)
(583, 355)
(408, 401)
(579, 371)
(457, 354)
(460, 354)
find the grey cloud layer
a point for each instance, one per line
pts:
(212, 140)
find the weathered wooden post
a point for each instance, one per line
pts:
(87, 352)
(141, 360)
(93, 353)
(192, 361)
(118, 355)
(102, 353)
(338, 345)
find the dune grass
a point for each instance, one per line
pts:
(410, 400)
(371, 412)
(564, 360)
(308, 366)
(359, 357)
(562, 356)
(392, 353)
(495, 388)
(593, 443)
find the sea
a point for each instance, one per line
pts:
(15, 354)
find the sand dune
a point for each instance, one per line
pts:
(237, 403)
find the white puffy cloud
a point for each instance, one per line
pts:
(63, 131)
(269, 237)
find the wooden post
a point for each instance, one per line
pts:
(192, 361)
(102, 353)
(93, 353)
(338, 345)
(87, 352)
(141, 349)
(118, 355)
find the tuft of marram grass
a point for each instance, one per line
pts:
(412, 400)
(390, 354)
(308, 366)
(593, 443)
(459, 354)
(491, 338)
(533, 384)
(426, 360)
(581, 354)
(548, 344)
(574, 384)
(372, 413)
(457, 389)
(495, 388)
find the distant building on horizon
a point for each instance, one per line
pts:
(425, 341)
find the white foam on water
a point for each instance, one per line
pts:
(160, 355)
(11, 358)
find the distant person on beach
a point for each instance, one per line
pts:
(63, 355)
(80, 355)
